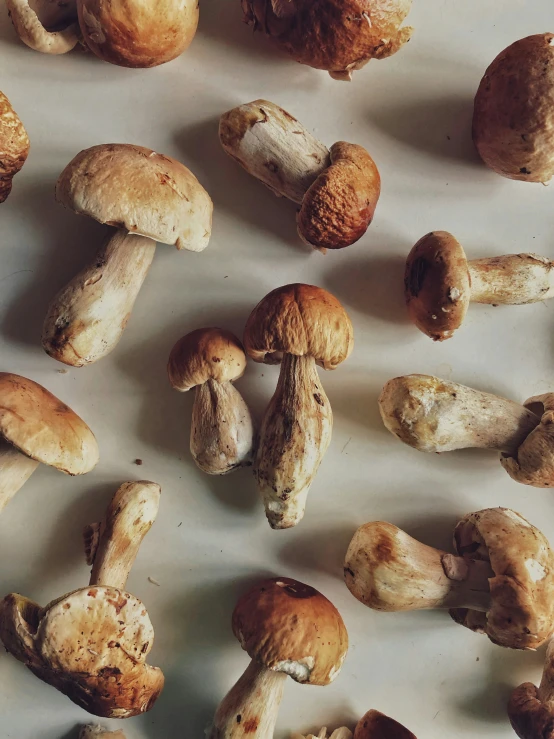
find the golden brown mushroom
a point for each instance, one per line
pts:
(14, 146)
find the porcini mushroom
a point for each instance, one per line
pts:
(146, 197)
(36, 427)
(337, 190)
(514, 111)
(336, 35)
(49, 26)
(92, 644)
(531, 709)
(299, 326)
(222, 432)
(287, 628)
(94, 731)
(500, 583)
(374, 725)
(440, 283)
(14, 146)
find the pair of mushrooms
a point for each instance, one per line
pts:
(14, 146)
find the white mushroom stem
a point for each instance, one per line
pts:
(93, 732)
(15, 469)
(296, 431)
(32, 32)
(546, 688)
(342, 733)
(514, 279)
(86, 320)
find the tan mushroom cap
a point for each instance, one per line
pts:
(302, 320)
(206, 354)
(14, 146)
(529, 716)
(290, 627)
(44, 428)
(136, 189)
(534, 460)
(375, 725)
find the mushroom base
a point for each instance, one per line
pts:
(15, 469)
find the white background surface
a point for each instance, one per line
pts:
(437, 678)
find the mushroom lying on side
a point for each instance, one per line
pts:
(287, 628)
(440, 283)
(500, 583)
(299, 326)
(337, 190)
(531, 709)
(222, 432)
(94, 732)
(92, 644)
(146, 197)
(14, 146)
(374, 725)
(46, 26)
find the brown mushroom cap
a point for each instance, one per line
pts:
(437, 285)
(290, 627)
(44, 428)
(14, 146)
(533, 463)
(302, 320)
(529, 716)
(375, 725)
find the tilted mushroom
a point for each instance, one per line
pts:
(146, 197)
(500, 582)
(14, 146)
(374, 725)
(337, 190)
(222, 432)
(93, 732)
(299, 326)
(339, 36)
(531, 709)
(514, 111)
(440, 283)
(49, 26)
(92, 644)
(287, 628)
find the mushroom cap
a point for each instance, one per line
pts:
(375, 725)
(339, 206)
(302, 320)
(206, 354)
(14, 146)
(136, 189)
(292, 628)
(513, 116)
(44, 428)
(437, 285)
(529, 716)
(534, 460)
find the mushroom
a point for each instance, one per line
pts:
(299, 326)
(440, 283)
(222, 432)
(337, 190)
(500, 583)
(49, 26)
(93, 732)
(287, 628)
(513, 116)
(37, 427)
(531, 709)
(374, 725)
(14, 146)
(339, 36)
(145, 197)
(92, 644)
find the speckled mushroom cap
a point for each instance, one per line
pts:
(375, 725)
(290, 627)
(302, 320)
(14, 146)
(136, 189)
(533, 463)
(206, 354)
(437, 285)
(44, 428)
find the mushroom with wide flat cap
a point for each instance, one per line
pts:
(373, 725)
(287, 628)
(531, 709)
(440, 283)
(299, 326)
(222, 432)
(14, 146)
(48, 26)
(95, 732)
(92, 644)
(337, 190)
(146, 197)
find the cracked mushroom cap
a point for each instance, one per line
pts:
(290, 627)
(206, 354)
(375, 725)
(14, 146)
(534, 460)
(136, 189)
(42, 427)
(301, 320)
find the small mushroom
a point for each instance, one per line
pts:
(531, 709)
(92, 644)
(145, 197)
(440, 283)
(95, 731)
(287, 628)
(222, 432)
(36, 427)
(374, 725)
(14, 146)
(298, 326)
(514, 111)
(501, 583)
(339, 36)
(337, 190)
(49, 26)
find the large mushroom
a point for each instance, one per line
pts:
(287, 628)
(146, 197)
(373, 725)
(92, 644)
(531, 709)
(14, 146)
(299, 326)
(337, 190)
(48, 26)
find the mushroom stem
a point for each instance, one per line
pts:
(546, 688)
(251, 707)
(514, 279)
(296, 431)
(94, 731)
(15, 469)
(86, 320)
(32, 32)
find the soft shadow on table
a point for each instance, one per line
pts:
(320, 551)
(222, 20)
(358, 402)
(8, 36)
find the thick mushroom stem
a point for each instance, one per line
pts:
(296, 431)
(15, 469)
(86, 320)
(34, 34)
(546, 688)
(514, 279)
(94, 732)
